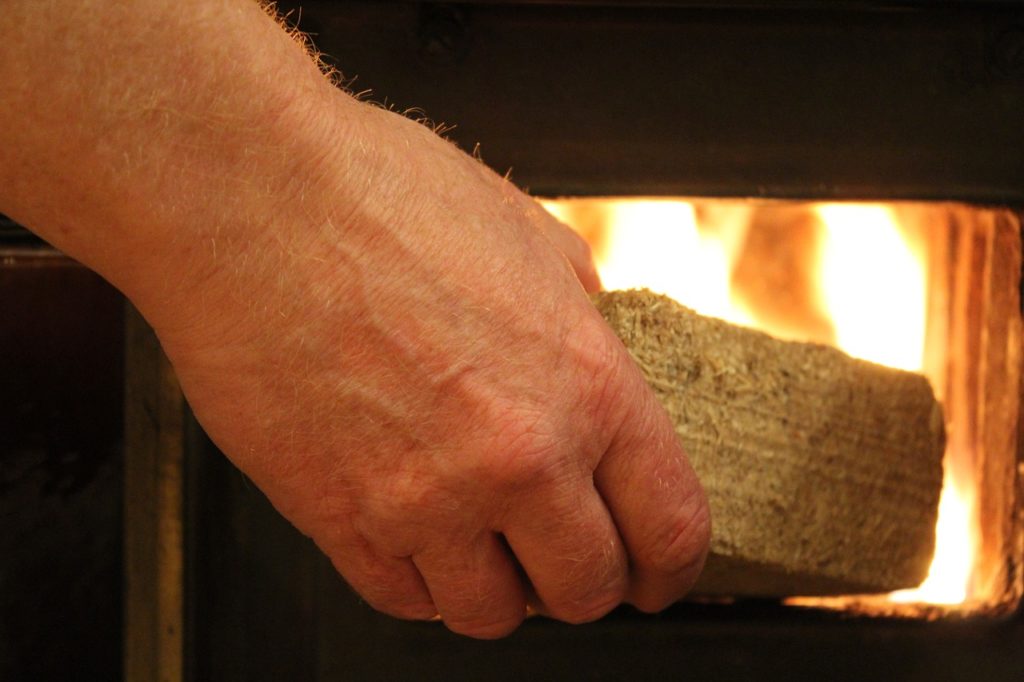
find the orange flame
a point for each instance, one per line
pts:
(873, 279)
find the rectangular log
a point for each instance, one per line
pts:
(823, 472)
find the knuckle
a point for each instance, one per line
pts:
(590, 586)
(527, 451)
(395, 518)
(598, 354)
(532, 444)
(604, 370)
(408, 489)
(407, 499)
(682, 545)
(590, 608)
(387, 592)
(652, 603)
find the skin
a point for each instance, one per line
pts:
(392, 341)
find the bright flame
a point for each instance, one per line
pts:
(658, 243)
(949, 576)
(873, 278)
(873, 281)
(871, 286)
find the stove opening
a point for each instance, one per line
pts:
(930, 287)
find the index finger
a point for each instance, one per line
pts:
(657, 502)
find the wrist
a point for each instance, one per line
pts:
(249, 224)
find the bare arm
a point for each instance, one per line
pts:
(391, 340)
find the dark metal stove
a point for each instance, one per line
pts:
(757, 98)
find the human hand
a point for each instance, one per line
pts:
(422, 386)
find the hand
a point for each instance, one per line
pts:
(422, 386)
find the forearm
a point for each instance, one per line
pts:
(143, 138)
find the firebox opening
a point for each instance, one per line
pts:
(926, 287)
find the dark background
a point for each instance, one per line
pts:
(786, 99)
(60, 469)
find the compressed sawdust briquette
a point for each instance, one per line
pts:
(823, 472)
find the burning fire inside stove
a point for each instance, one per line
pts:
(883, 282)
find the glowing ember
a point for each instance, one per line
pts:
(856, 264)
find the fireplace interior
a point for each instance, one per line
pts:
(903, 284)
(847, 173)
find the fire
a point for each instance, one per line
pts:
(852, 275)
(872, 279)
(949, 577)
(666, 249)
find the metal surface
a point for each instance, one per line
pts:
(842, 102)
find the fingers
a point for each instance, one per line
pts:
(571, 552)
(658, 505)
(576, 249)
(476, 586)
(392, 585)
